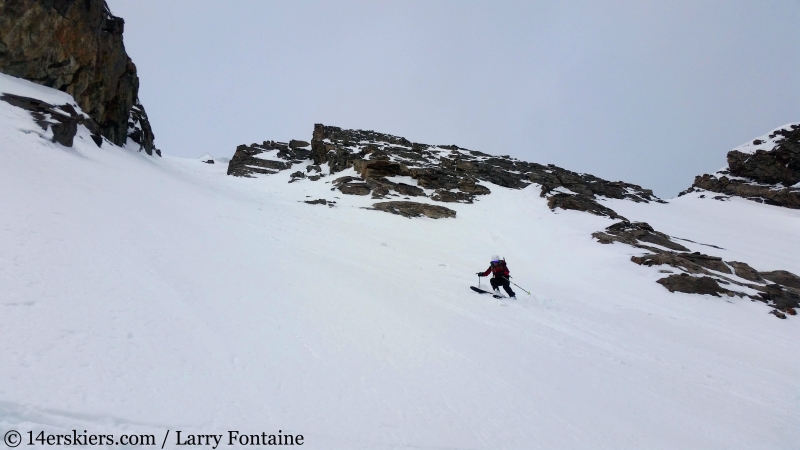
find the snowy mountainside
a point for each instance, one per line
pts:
(145, 294)
(390, 167)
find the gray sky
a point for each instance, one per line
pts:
(649, 92)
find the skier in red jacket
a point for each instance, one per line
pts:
(500, 275)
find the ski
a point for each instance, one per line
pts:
(481, 291)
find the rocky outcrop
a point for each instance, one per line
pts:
(76, 46)
(782, 277)
(456, 174)
(63, 120)
(414, 209)
(139, 130)
(704, 274)
(266, 158)
(352, 186)
(319, 201)
(637, 234)
(766, 170)
(700, 270)
(694, 285)
(443, 173)
(579, 202)
(444, 196)
(788, 197)
(693, 263)
(778, 165)
(381, 188)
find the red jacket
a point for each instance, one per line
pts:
(499, 270)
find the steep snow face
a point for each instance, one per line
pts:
(141, 295)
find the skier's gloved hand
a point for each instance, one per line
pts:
(480, 274)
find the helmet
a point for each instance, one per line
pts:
(495, 258)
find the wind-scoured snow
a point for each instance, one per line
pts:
(142, 294)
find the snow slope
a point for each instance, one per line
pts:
(141, 294)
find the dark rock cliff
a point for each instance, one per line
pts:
(76, 46)
(766, 170)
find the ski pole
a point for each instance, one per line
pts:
(515, 284)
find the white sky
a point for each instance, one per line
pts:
(649, 92)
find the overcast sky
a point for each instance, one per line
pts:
(649, 92)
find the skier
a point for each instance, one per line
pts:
(500, 275)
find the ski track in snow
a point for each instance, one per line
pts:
(143, 294)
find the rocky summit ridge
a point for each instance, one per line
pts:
(76, 46)
(442, 173)
(766, 170)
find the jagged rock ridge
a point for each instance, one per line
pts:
(76, 46)
(444, 173)
(766, 170)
